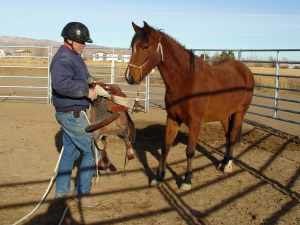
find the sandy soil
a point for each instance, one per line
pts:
(264, 187)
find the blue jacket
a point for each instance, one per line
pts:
(69, 79)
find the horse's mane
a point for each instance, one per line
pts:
(192, 56)
(221, 61)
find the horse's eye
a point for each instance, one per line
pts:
(145, 47)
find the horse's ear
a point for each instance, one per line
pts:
(146, 24)
(147, 28)
(136, 27)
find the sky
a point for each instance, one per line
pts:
(239, 24)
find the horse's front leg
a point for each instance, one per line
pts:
(194, 130)
(171, 131)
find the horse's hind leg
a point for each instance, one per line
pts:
(232, 127)
(170, 134)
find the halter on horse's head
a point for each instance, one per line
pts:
(147, 53)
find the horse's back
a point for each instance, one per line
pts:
(234, 72)
(219, 90)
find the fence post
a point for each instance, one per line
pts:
(49, 74)
(112, 69)
(147, 95)
(277, 85)
(239, 55)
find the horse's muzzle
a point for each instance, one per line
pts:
(129, 79)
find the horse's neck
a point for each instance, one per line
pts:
(175, 67)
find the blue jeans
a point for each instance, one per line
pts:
(77, 145)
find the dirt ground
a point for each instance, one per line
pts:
(264, 187)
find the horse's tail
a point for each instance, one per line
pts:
(131, 129)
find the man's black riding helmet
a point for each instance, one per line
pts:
(76, 31)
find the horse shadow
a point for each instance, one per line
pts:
(151, 140)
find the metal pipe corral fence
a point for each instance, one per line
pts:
(25, 76)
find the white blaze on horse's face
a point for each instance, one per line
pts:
(145, 56)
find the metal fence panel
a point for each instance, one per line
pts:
(24, 73)
(25, 76)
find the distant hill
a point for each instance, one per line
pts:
(24, 41)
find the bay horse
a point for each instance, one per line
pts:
(108, 118)
(196, 92)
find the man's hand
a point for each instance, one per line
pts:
(102, 92)
(92, 93)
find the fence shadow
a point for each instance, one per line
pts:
(150, 139)
(171, 195)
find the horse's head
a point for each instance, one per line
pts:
(147, 53)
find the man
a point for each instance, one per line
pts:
(71, 97)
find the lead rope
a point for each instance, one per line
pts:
(46, 193)
(51, 184)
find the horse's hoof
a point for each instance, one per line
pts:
(154, 182)
(225, 167)
(186, 187)
(228, 168)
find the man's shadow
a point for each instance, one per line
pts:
(151, 140)
(54, 214)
